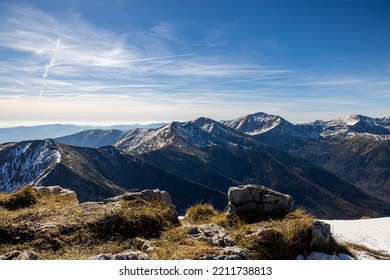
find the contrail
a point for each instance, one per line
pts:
(170, 57)
(177, 56)
(5, 69)
(48, 66)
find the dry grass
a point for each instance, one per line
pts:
(373, 253)
(365, 217)
(200, 214)
(174, 244)
(23, 198)
(56, 227)
(280, 239)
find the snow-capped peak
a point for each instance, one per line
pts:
(349, 120)
(255, 123)
(353, 125)
(26, 163)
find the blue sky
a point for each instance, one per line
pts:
(129, 61)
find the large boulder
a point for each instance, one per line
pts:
(254, 203)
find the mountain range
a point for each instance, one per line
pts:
(41, 132)
(334, 169)
(354, 147)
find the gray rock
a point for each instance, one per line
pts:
(101, 257)
(211, 234)
(56, 190)
(27, 255)
(217, 236)
(48, 226)
(148, 195)
(18, 255)
(321, 235)
(228, 253)
(126, 255)
(10, 256)
(144, 245)
(254, 203)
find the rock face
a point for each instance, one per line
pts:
(254, 203)
(56, 190)
(18, 255)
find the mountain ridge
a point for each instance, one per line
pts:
(94, 174)
(212, 156)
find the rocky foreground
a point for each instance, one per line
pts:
(49, 223)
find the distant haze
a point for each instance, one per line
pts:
(23, 133)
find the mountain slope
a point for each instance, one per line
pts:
(40, 132)
(93, 173)
(212, 154)
(355, 147)
(92, 138)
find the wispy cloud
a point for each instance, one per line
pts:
(63, 62)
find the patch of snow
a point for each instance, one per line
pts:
(372, 233)
(349, 120)
(255, 124)
(25, 162)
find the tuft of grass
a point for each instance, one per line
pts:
(200, 214)
(374, 253)
(20, 199)
(365, 217)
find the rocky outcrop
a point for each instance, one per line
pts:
(228, 253)
(320, 235)
(126, 255)
(147, 195)
(18, 255)
(57, 191)
(217, 236)
(211, 234)
(254, 203)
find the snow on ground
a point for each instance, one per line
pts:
(372, 233)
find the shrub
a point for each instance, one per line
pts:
(23, 198)
(200, 214)
(365, 217)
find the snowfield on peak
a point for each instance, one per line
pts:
(255, 124)
(28, 162)
(349, 120)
